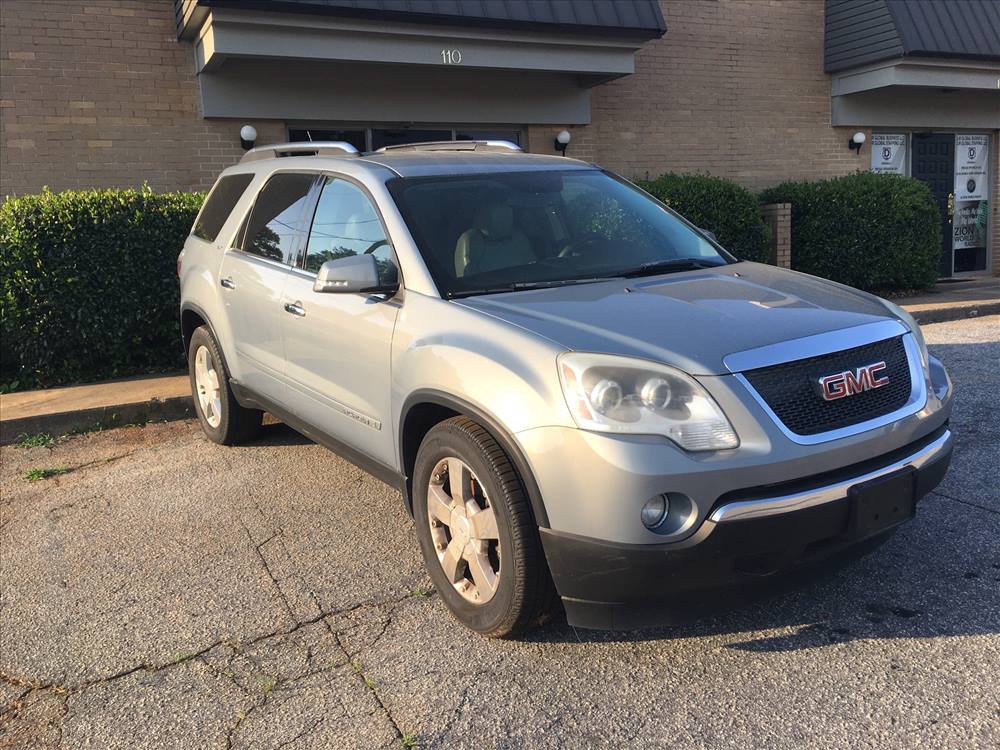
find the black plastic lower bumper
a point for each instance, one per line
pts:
(614, 586)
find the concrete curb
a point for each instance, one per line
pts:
(82, 420)
(946, 313)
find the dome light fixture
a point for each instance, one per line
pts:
(857, 141)
(248, 134)
(562, 141)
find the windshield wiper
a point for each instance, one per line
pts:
(668, 265)
(520, 286)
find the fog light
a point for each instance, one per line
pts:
(655, 511)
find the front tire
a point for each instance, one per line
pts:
(222, 419)
(477, 532)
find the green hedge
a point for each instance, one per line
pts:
(89, 284)
(876, 232)
(730, 211)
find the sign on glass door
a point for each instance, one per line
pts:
(971, 191)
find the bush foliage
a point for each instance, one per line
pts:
(89, 284)
(729, 210)
(872, 231)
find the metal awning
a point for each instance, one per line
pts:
(330, 61)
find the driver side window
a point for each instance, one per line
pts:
(345, 223)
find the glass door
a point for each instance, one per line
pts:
(934, 164)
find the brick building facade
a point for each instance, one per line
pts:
(109, 93)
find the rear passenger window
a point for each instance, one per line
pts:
(345, 223)
(219, 205)
(276, 221)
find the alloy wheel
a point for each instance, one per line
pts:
(206, 379)
(464, 530)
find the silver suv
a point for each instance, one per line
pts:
(577, 392)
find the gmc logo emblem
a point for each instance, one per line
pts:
(852, 382)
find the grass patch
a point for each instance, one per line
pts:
(38, 474)
(368, 680)
(419, 594)
(43, 440)
(266, 683)
(408, 740)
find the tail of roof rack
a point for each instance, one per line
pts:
(480, 146)
(302, 148)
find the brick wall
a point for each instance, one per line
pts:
(778, 217)
(101, 94)
(735, 88)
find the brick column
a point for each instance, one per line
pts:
(778, 216)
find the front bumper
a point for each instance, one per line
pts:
(751, 542)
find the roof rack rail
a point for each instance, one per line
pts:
(300, 148)
(483, 146)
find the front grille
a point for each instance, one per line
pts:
(791, 392)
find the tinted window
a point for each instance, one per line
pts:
(484, 232)
(355, 137)
(345, 223)
(276, 221)
(219, 205)
(391, 137)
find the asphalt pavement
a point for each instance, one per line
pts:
(166, 592)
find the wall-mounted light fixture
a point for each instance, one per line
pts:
(248, 134)
(857, 141)
(562, 141)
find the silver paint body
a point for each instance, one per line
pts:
(348, 365)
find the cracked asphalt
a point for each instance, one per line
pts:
(166, 592)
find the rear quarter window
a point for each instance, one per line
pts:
(220, 203)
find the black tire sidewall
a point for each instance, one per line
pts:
(496, 614)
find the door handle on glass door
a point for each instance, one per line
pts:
(951, 205)
(295, 308)
(227, 283)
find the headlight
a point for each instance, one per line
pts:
(608, 393)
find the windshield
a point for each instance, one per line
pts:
(482, 233)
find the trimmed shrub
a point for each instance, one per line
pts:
(729, 210)
(88, 284)
(877, 232)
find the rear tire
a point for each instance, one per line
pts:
(501, 585)
(222, 419)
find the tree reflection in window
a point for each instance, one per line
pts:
(276, 219)
(345, 224)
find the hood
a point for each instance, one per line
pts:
(690, 320)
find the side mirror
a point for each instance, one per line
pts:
(710, 234)
(357, 274)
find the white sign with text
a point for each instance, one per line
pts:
(971, 183)
(888, 153)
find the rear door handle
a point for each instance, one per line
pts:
(295, 308)
(227, 283)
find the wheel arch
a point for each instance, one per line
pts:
(192, 318)
(427, 407)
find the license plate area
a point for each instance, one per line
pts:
(879, 504)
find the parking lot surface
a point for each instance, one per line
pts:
(167, 592)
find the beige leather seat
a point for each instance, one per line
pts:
(494, 242)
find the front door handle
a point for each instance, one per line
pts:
(295, 308)
(227, 283)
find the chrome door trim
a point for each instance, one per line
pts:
(746, 509)
(813, 346)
